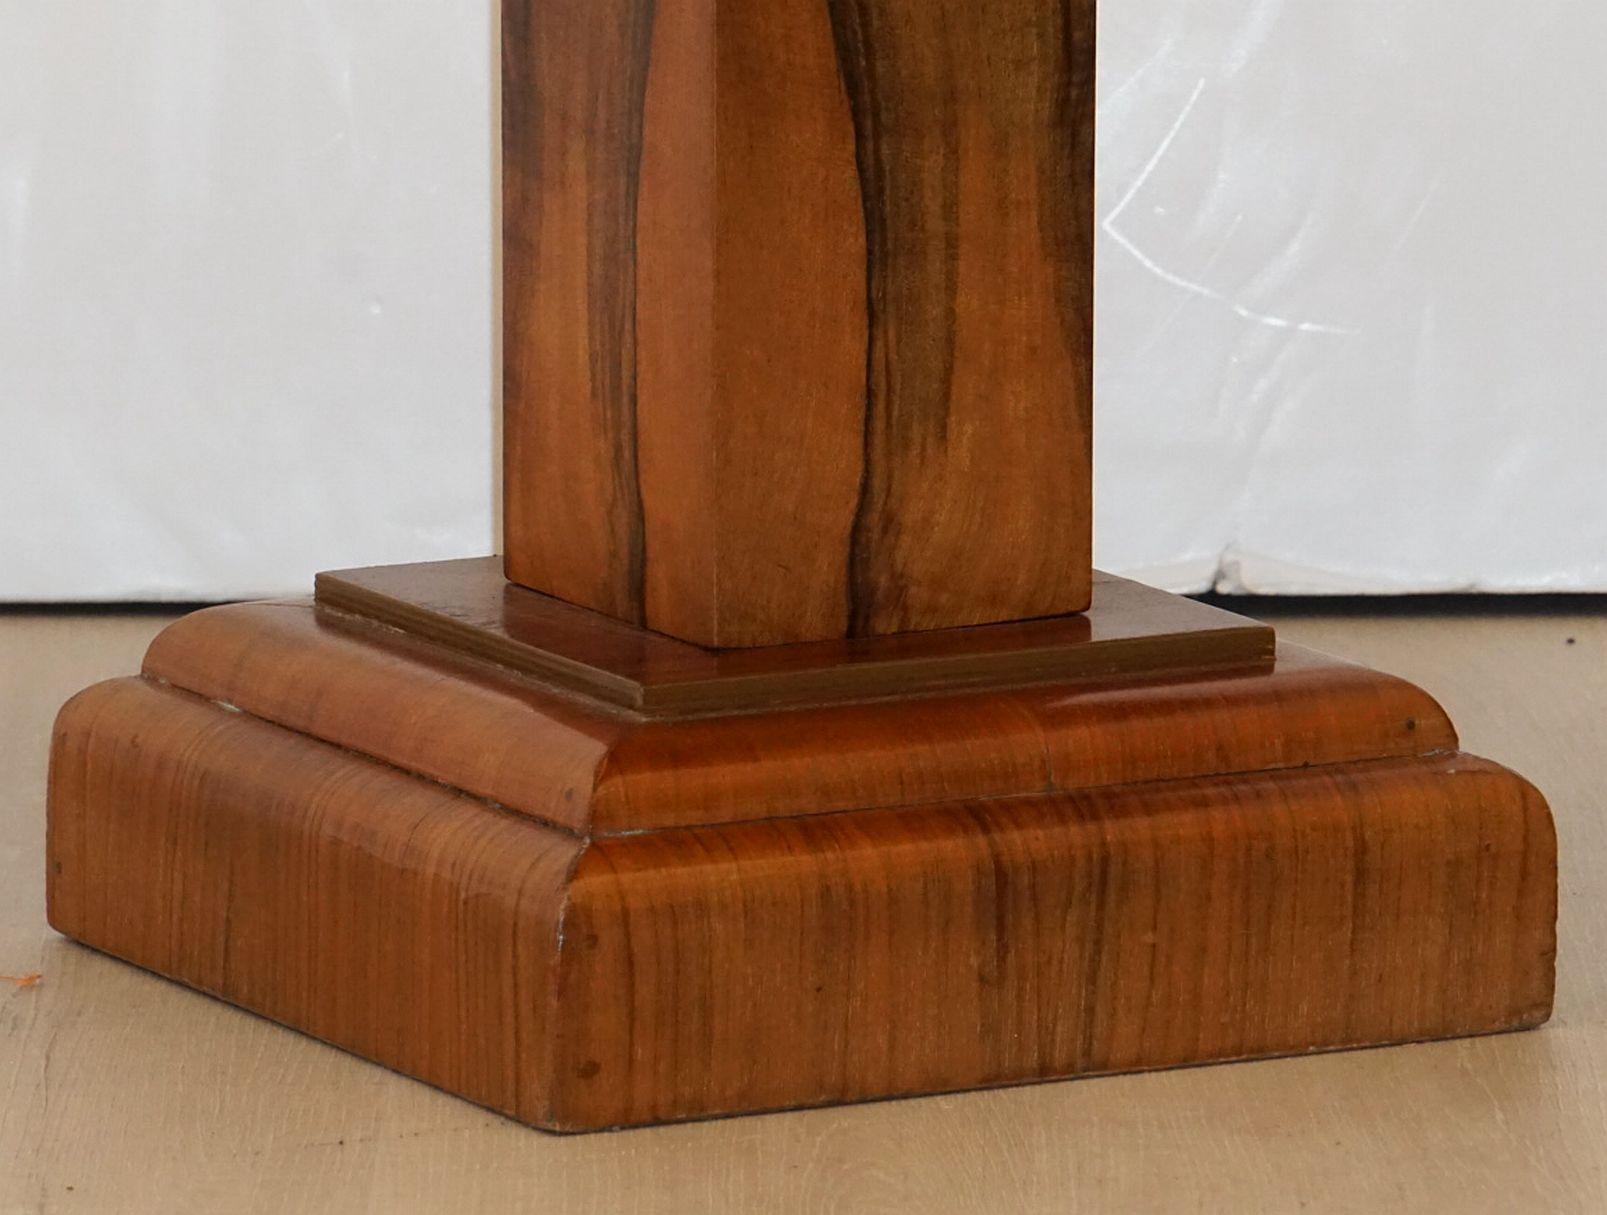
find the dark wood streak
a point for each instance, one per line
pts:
(521, 227)
(521, 199)
(1066, 174)
(575, 91)
(973, 129)
(618, 120)
(901, 93)
(798, 303)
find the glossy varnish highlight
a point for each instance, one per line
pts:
(591, 769)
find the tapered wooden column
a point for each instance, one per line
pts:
(799, 311)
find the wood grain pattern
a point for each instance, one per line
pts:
(790, 331)
(492, 734)
(588, 920)
(1130, 631)
(972, 127)
(366, 907)
(467, 725)
(799, 312)
(673, 974)
(575, 81)
(819, 961)
(146, 1099)
(1307, 711)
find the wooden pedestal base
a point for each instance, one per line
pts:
(586, 918)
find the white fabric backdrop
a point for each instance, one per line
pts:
(1350, 337)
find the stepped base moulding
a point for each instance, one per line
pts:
(408, 840)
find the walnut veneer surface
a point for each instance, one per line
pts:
(798, 311)
(142, 1096)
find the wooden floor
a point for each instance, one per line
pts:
(121, 1092)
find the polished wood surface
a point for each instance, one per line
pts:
(816, 961)
(496, 735)
(126, 1093)
(1130, 631)
(806, 783)
(364, 906)
(798, 312)
(468, 725)
(586, 920)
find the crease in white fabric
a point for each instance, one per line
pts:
(1177, 280)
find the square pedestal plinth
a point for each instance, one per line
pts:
(584, 917)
